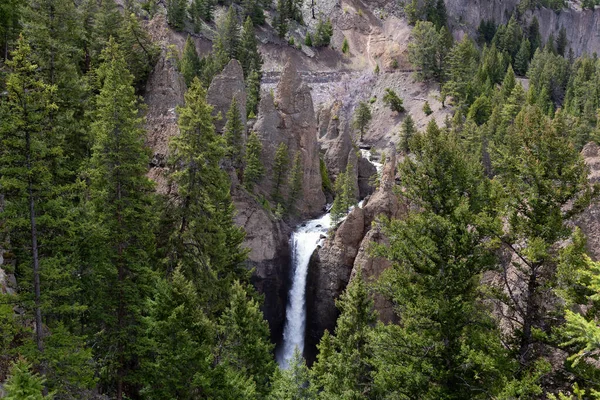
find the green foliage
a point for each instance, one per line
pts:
(280, 21)
(281, 164)
(344, 362)
(463, 62)
(293, 383)
(407, 131)
(22, 384)
(234, 135)
(391, 99)
(522, 58)
(345, 46)
(189, 65)
(362, 118)
(253, 97)
(204, 242)
(345, 193)
(429, 50)
(323, 33)
(427, 109)
(253, 9)
(176, 13)
(295, 184)
(254, 170)
(308, 40)
(326, 182)
(248, 54)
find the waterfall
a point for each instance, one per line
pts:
(304, 241)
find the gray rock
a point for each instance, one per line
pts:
(223, 88)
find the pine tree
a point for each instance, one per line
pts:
(189, 65)
(562, 42)
(536, 166)
(121, 196)
(362, 118)
(293, 383)
(295, 184)
(245, 344)
(197, 12)
(428, 50)
(249, 56)
(182, 338)
(280, 172)
(10, 12)
(254, 170)
(234, 135)
(344, 368)
(407, 131)
(391, 99)
(323, 33)
(253, 9)
(535, 38)
(229, 34)
(463, 61)
(345, 196)
(280, 21)
(509, 83)
(141, 53)
(204, 241)
(176, 13)
(22, 384)
(253, 90)
(522, 58)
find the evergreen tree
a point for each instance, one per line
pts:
(323, 33)
(362, 118)
(249, 55)
(562, 42)
(204, 242)
(535, 38)
(280, 172)
(196, 12)
(522, 58)
(182, 339)
(253, 9)
(141, 54)
(234, 135)
(245, 345)
(391, 99)
(189, 65)
(445, 345)
(345, 194)
(407, 131)
(10, 12)
(120, 196)
(344, 368)
(254, 170)
(428, 50)
(293, 383)
(280, 21)
(536, 167)
(308, 40)
(253, 98)
(176, 13)
(295, 185)
(22, 384)
(228, 34)
(463, 61)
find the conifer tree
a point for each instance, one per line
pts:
(10, 12)
(176, 13)
(204, 242)
(141, 54)
(362, 118)
(391, 99)
(522, 58)
(344, 367)
(293, 383)
(23, 384)
(296, 176)
(182, 339)
(280, 21)
(345, 194)
(248, 54)
(253, 98)
(200, 10)
(229, 34)
(562, 42)
(245, 345)
(463, 61)
(323, 33)
(280, 172)
(253, 9)
(234, 135)
(407, 131)
(189, 65)
(120, 196)
(254, 170)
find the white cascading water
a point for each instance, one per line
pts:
(304, 241)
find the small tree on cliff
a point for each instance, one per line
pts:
(362, 118)
(234, 132)
(254, 170)
(280, 172)
(295, 183)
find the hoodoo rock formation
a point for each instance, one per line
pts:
(223, 88)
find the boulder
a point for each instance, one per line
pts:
(223, 88)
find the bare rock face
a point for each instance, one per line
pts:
(289, 118)
(372, 268)
(589, 220)
(164, 92)
(366, 170)
(267, 240)
(331, 266)
(223, 88)
(328, 275)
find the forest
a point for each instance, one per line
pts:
(124, 292)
